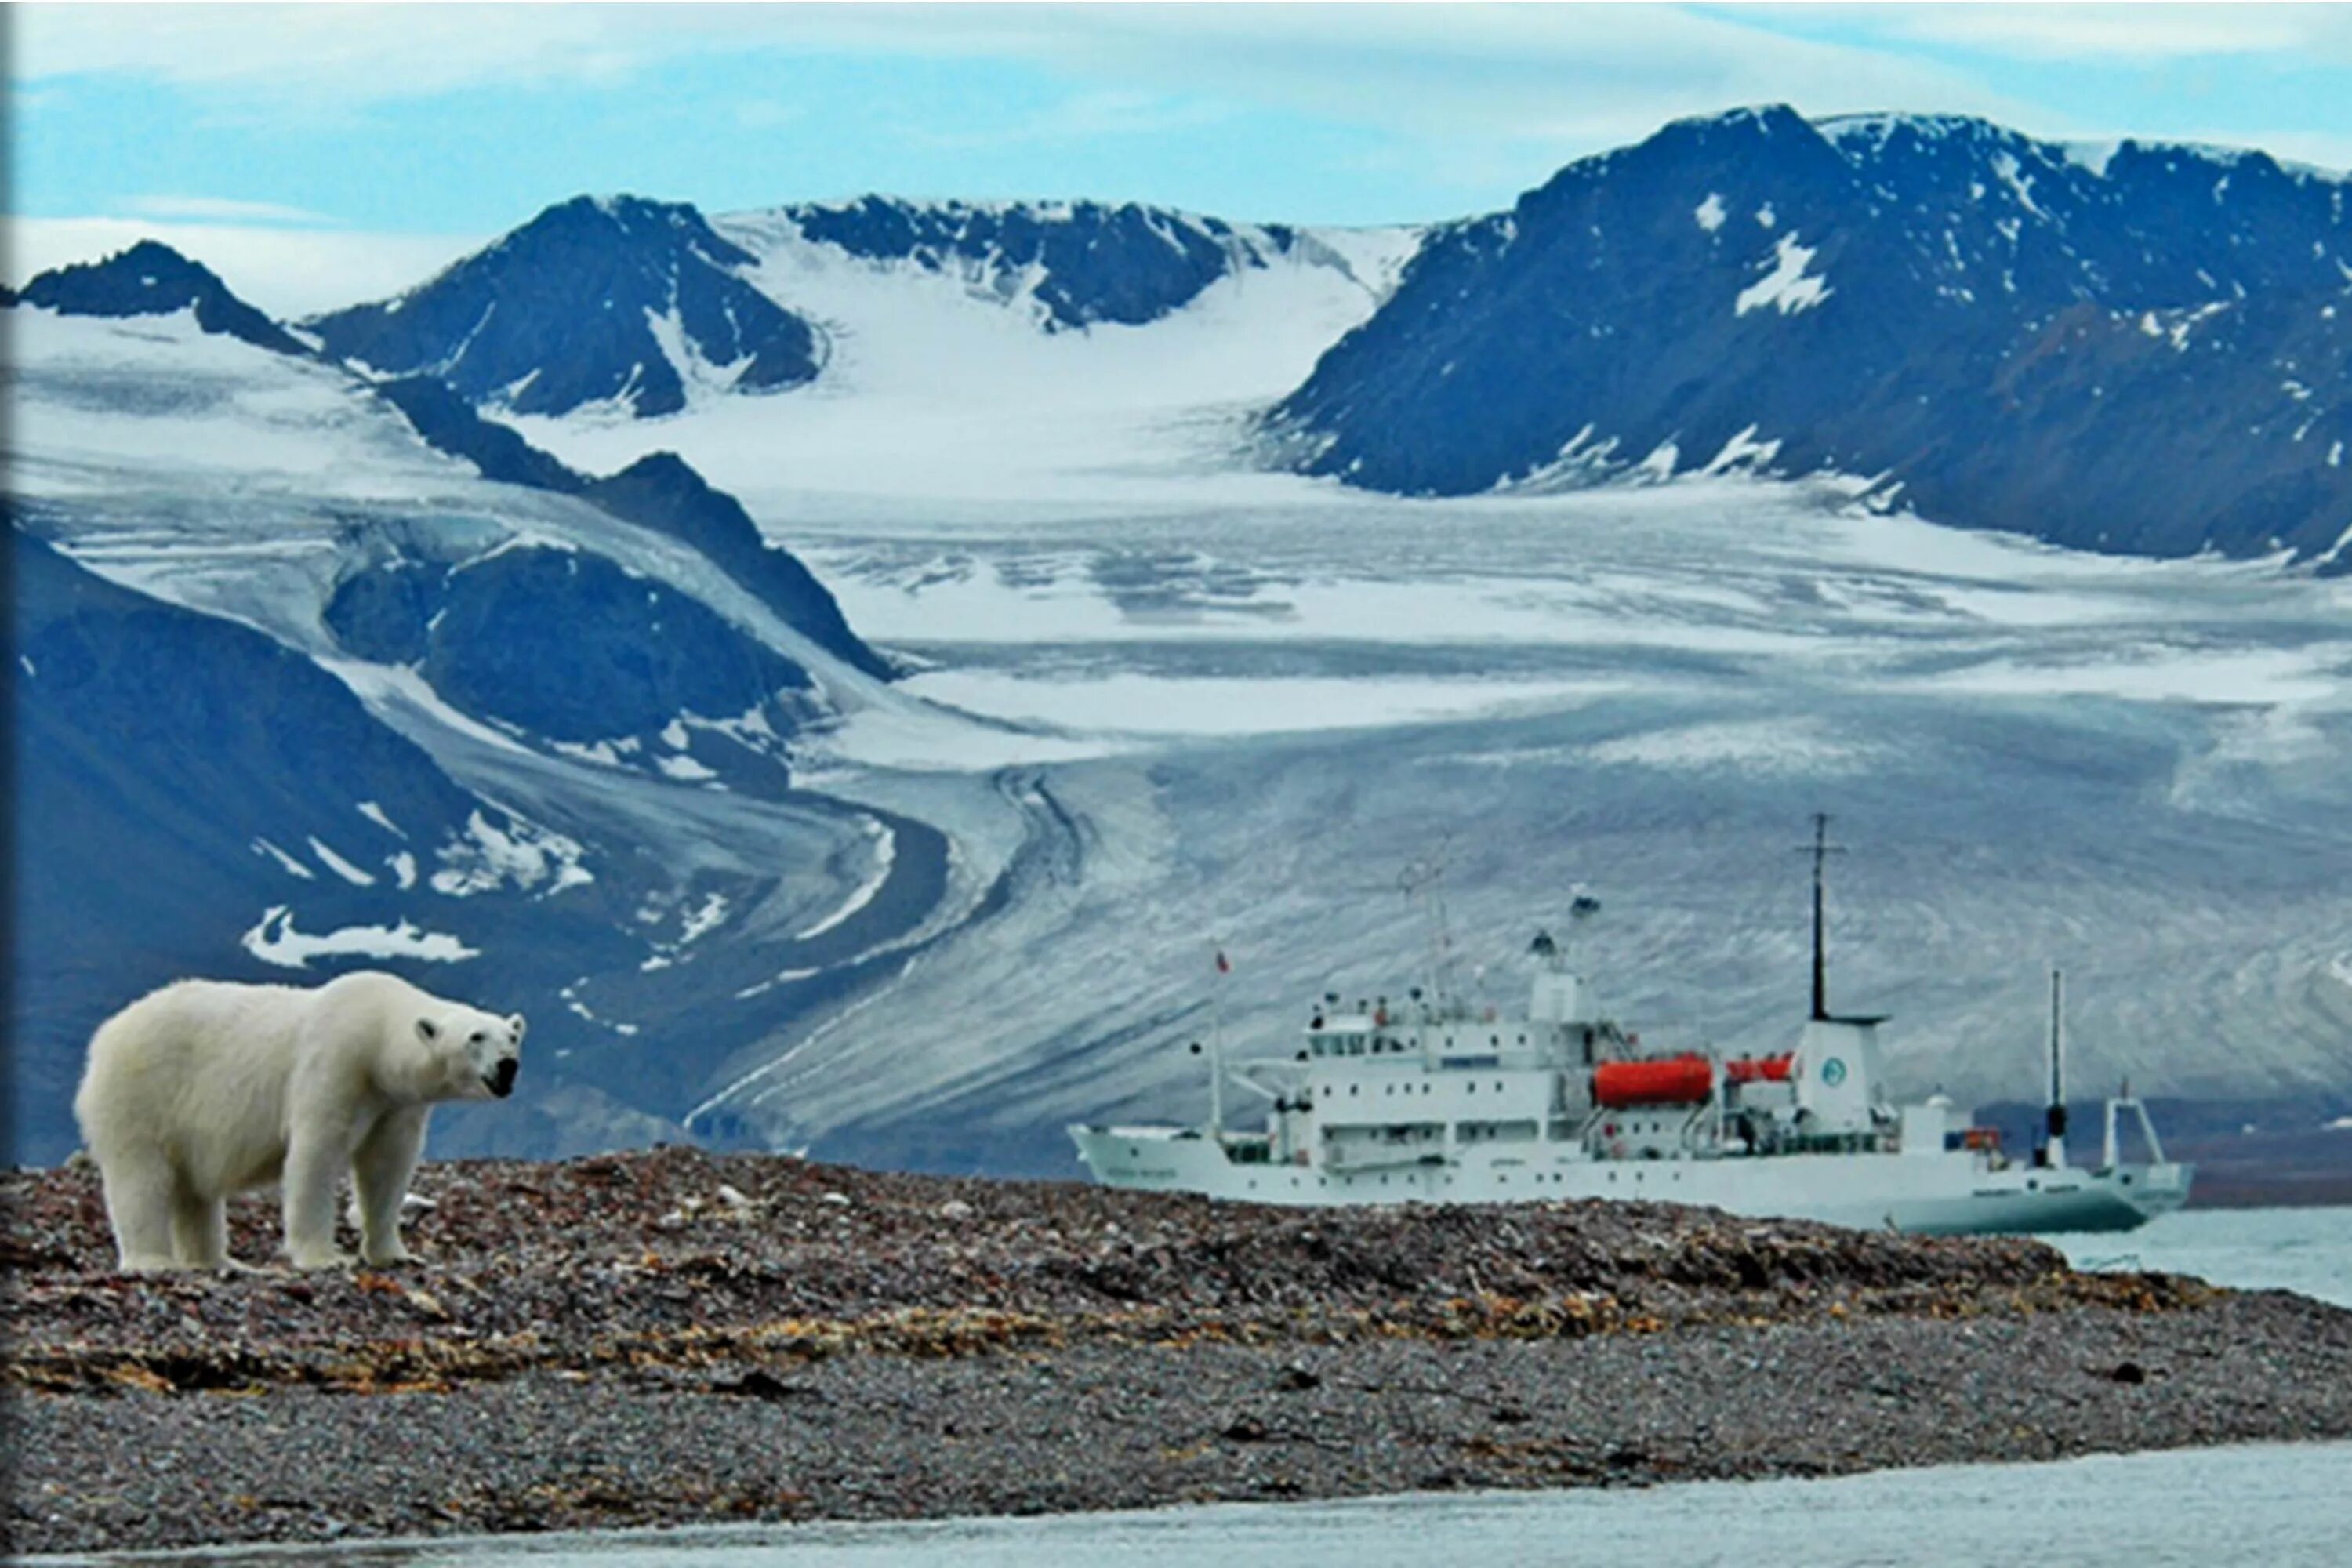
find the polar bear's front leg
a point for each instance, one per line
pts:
(199, 1228)
(315, 1162)
(381, 1167)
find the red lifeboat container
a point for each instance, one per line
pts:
(1760, 1070)
(1672, 1080)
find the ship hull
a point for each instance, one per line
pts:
(1947, 1194)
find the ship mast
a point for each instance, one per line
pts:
(1820, 849)
(2055, 1120)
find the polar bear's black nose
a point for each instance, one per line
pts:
(502, 1079)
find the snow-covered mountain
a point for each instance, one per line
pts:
(152, 280)
(622, 302)
(954, 371)
(1133, 693)
(2136, 348)
(313, 671)
(641, 308)
(1073, 263)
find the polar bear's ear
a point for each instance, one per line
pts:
(426, 1030)
(514, 1022)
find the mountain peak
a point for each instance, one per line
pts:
(151, 279)
(639, 218)
(619, 300)
(2148, 354)
(1079, 263)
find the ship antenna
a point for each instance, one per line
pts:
(1821, 848)
(1426, 881)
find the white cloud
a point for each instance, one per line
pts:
(2308, 34)
(1596, 75)
(362, 53)
(285, 272)
(1480, 94)
(1081, 117)
(221, 209)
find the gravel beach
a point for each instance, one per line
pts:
(675, 1337)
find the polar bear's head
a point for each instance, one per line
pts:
(474, 1055)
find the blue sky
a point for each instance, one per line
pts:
(438, 122)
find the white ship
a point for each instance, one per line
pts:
(1436, 1100)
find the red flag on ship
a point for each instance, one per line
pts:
(1223, 967)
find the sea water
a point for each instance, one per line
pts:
(2308, 1251)
(2280, 1505)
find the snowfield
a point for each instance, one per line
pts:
(1168, 702)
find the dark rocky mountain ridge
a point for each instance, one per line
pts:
(181, 775)
(168, 767)
(151, 279)
(1085, 261)
(2150, 352)
(661, 491)
(570, 309)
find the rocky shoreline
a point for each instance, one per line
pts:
(675, 1337)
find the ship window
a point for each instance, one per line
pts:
(1472, 1088)
(1351, 1088)
(1327, 1091)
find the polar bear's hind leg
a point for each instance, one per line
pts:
(141, 1190)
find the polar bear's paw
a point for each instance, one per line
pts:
(310, 1260)
(388, 1256)
(151, 1263)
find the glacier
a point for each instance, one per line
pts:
(1166, 700)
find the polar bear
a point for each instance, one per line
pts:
(204, 1089)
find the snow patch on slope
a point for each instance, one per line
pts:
(1788, 288)
(274, 940)
(488, 856)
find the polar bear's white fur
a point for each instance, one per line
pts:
(204, 1089)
